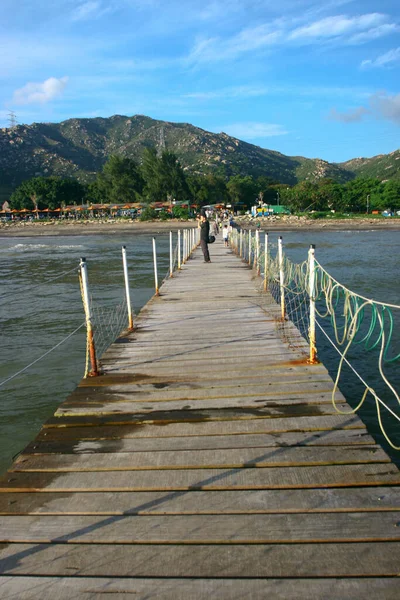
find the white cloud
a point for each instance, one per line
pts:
(386, 107)
(251, 130)
(383, 60)
(243, 91)
(374, 33)
(381, 106)
(281, 32)
(89, 10)
(247, 40)
(40, 93)
(351, 116)
(338, 26)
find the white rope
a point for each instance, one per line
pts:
(41, 357)
(353, 305)
(353, 293)
(356, 373)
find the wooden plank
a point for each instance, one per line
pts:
(322, 425)
(87, 588)
(193, 366)
(187, 413)
(291, 392)
(144, 483)
(202, 529)
(257, 351)
(318, 403)
(206, 479)
(129, 384)
(222, 502)
(329, 438)
(278, 560)
(278, 383)
(297, 365)
(201, 459)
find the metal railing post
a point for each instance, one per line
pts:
(256, 250)
(281, 278)
(184, 247)
(250, 240)
(155, 266)
(89, 328)
(179, 249)
(127, 292)
(171, 259)
(266, 250)
(311, 292)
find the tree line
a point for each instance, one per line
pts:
(162, 178)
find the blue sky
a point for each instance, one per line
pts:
(304, 77)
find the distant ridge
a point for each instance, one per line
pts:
(382, 166)
(80, 147)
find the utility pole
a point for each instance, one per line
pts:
(161, 143)
(12, 119)
(277, 195)
(368, 203)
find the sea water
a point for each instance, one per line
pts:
(41, 305)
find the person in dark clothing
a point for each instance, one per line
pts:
(204, 235)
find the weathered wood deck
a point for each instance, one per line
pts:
(207, 461)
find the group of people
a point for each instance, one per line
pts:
(207, 229)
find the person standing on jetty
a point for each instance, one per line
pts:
(204, 225)
(225, 235)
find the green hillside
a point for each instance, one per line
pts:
(80, 147)
(382, 167)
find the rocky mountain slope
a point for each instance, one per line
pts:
(80, 147)
(383, 166)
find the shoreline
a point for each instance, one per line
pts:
(112, 227)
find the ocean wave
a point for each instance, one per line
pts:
(33, 247)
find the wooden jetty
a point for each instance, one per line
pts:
(207, 461)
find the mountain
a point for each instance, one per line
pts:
(79, 148)
(383, 166)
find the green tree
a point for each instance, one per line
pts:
(47, 192)
(120, 180)
(242, 190)
(164, 177)
(207, 189)
(173, 177)
(390, 195)
(151, 174)
(355, 193)
(93, 193)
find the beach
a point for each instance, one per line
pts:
(113, 226)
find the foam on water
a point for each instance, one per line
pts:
(30, 247)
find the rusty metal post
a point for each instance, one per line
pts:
(94, 372)
(266, 250)
(127, 292)
(311, 292)
(179, 249)
(155, 266)
(281, 278)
